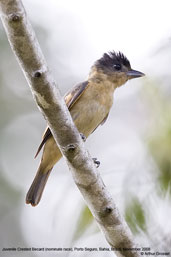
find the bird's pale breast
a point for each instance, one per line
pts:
(91, 109)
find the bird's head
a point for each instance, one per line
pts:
(114, 67)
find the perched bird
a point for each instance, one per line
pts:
(89, 104)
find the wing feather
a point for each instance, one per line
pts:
(70, 98)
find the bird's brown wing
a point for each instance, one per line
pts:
(47, 134)
(70, 98)
(74, 94)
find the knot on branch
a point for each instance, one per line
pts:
(15, 17)
(106, 211)
(37, 74)
(71, 148)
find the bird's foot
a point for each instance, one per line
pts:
(96, 162)
(83, 137)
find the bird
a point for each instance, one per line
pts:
(89, 104)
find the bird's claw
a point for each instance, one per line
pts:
(96, 162)
(83, 137)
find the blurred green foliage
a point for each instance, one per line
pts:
(135, 216)
(159, 141)
(84, 222)
(160, 147)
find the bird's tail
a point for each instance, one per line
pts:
(36, 189)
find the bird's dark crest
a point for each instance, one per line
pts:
(111, 58)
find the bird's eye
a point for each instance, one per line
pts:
(117, 66)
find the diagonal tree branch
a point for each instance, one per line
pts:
(26, 48)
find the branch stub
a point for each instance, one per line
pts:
(15, 17)
(37, 74)
(71, 148)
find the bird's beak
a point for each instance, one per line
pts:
(132, 74)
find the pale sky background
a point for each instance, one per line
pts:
(134, 27)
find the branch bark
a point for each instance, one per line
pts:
(47, 96)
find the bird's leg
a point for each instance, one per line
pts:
(83, 137)
(96, 162)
